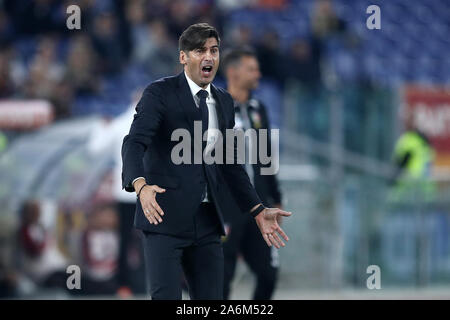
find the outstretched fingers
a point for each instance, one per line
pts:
(266, 239)
(284, 235)
(284, 213)
(271, 237)
(278, 241)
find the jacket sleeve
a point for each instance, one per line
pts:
(235, 175)
(146, 122)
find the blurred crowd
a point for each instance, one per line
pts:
(41, 58)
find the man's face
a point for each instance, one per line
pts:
(201, 64)
(247, 73)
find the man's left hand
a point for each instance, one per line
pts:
(279, 218)
(267, 221)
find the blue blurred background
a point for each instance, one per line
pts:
(340, 94)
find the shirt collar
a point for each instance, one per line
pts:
(195, 88)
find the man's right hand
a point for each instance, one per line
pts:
(152, 210)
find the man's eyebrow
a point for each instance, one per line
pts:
(214, 46)
(204, 48)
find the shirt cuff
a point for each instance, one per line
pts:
(136, 180)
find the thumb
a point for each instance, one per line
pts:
(284, 213)
(159, 190)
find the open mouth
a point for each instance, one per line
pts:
(207, 71)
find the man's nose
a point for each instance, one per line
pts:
(208, 55)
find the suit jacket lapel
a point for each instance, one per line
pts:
(219, 109)
(187, 101)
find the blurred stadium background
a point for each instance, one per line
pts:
(340, 93)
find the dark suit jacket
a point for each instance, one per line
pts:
(167, 105)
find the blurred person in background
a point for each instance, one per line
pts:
(303, 63)
(100, 248)
(40, 259)
(3, 142)
(33, 236)
(82, 66)
(271, 57)
(325, 21)
(181, 13)
(44, 71)
(13, 72)
(131, 260)
(158, 52)
(7, 86)
(241, 69)
(46, 79)
(240, 35)
(136, 17)
(107, 42)
(413, 159)
(303, 67)
(6, 30)
(109, 133)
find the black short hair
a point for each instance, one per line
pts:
(195, 36)
(234, 55)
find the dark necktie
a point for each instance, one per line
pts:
(202, 94)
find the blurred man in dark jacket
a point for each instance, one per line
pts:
(241, 69)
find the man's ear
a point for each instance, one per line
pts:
(183, 57)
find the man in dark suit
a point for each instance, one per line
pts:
(181, 205)
(241, 69)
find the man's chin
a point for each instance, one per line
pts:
(207, 80)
